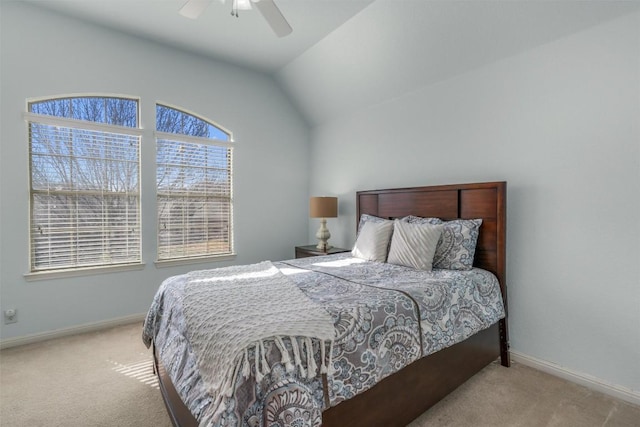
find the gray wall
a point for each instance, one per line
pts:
(44, 54)
(560, 123)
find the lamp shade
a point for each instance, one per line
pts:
(323, 207)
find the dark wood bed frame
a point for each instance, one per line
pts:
(403, 396)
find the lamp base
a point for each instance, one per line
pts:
(323, 236)
(323, 246)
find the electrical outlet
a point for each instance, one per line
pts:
(10, 316)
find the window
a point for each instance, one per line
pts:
(194, 186)
(84, 182)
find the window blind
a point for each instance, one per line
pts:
(194, 194)
(85, 194)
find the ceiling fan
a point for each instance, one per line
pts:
(194, 8)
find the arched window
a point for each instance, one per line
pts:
(194, 186)
(84, 182)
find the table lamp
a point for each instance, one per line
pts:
(323, 208)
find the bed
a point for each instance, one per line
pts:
(376, 396)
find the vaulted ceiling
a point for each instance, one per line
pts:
(246, 40)
(344, 55)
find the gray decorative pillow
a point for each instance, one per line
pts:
(364, 218)
(457, 244)
(414, 245)
(373, 241)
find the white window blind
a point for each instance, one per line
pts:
(194, 186)
(85, 177)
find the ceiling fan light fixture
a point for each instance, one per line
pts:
(243, 4)
(267, 8)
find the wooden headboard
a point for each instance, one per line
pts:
(487, 200)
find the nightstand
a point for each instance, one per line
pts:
(311, 250)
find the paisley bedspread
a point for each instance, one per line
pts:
(385, 316)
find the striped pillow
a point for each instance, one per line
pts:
(457, 245)
(414, 245)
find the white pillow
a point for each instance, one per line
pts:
(414, 245)
(373, 241)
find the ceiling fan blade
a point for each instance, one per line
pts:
(274, 17)
(194, 8)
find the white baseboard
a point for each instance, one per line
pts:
(80, 329)
(580, 378)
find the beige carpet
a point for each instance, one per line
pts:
(104, 379)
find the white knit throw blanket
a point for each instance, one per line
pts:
(233, 309)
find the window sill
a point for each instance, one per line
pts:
(194, 260)
(86, 271)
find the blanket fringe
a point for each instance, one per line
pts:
(303, 354)
(296, 354)
(323, 366)
(256, 355)
(330, 363)
(246, 367)
(312, 367)
(285, 355)
(265, 365)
